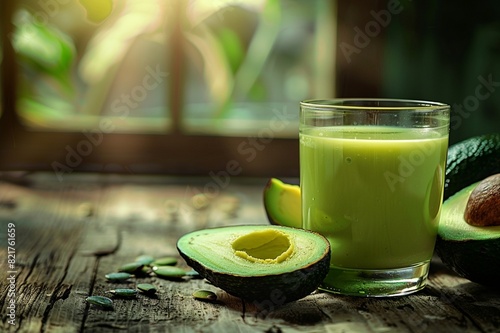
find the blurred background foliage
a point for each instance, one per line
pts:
(242, 60)
(245, 60)
(444, 50)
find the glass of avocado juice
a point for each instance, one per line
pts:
(372, 180)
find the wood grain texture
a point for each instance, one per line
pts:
(70, 234)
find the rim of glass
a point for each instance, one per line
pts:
(406, 104)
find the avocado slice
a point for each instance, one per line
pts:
(282, 203)
(473, 252)
(258, 262)
(470, 161)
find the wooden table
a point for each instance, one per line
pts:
(69, 234)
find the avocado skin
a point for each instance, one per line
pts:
(470, 161)
(476, 260)
(278, 289)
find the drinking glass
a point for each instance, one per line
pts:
(372, 180)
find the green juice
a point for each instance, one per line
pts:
(374, 192)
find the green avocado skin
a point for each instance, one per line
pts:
(269, 289)
(470, 161)
(476, 260)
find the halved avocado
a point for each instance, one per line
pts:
(471, 251)
(282, 203)
(258, 262)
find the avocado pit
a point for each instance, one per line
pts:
(483, 205)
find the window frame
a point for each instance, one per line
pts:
(175, 153)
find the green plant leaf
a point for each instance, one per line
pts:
(257, 53)
(233, 48)
(44, 49)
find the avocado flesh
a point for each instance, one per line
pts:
(282, 203)
(258, 262)
(472, 252)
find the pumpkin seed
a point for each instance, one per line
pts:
(131, 267)
(145, 259)
(193, 274)
(165, 261)
(205, 295)
(147, 288)
(169, 272)
(124, 292)
(101, 301)
(146, 271)
(119, 276)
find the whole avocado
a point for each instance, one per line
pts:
(470, 161)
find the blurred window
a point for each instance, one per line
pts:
(164, 86)
(234, 64)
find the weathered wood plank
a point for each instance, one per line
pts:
(48, 227)
(479, 304)
(147, 229)
(69, 235)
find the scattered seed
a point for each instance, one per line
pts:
(145, 259)
(193, 274)
(147, 288)
(169, 272)
(131, 267)
(165, 261)
(145, 271)
(101, 301)
(119, 276)
(124, 292)
(200, 201)
(205, 295)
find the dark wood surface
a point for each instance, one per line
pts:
(70, 233)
